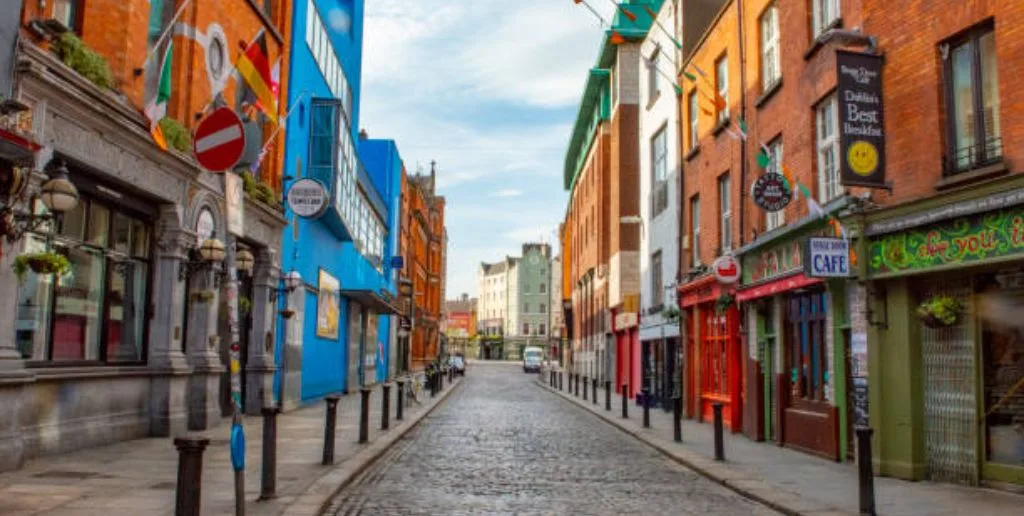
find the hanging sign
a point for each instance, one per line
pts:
(727, 269)
(771, 192)
(219, 140)
(307, 198)
(861, 125)
(827, 258)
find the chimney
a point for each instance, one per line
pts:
(433, 175)
(363, 135)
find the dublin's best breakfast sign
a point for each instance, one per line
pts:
(861, 121)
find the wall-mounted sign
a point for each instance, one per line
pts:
(205, 226)
(948, 211)
(958, 241)
(307, 198)
(861, 124)
(727, 269)
(771, 192)
(827, 258)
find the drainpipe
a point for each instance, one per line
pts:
(743, 114)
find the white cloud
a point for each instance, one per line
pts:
(508, 192)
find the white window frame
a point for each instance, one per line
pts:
(653, 88)
(722, 85)
(824, 13)
(771, 61)
(695, 229)
(725, 212)
(775, 219)
(827, 145)
(694, 120)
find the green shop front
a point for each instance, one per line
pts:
(945, 308)
(796, 331)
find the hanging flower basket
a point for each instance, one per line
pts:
(287, 313)
(940, 311)
(724, 303)
(671, 313)
(47, 262)
(203, 296)
(244, 304)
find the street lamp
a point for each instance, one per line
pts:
(58, 195)
(244, 261)
(210, 252)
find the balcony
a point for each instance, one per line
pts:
(974, 157)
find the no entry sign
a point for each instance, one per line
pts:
(219, 140)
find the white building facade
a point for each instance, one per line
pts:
(492, 287)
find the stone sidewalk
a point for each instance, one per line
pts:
(788, 480)
(139, 477)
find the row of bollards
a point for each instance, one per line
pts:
(188, 494)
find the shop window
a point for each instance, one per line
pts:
(1000, 303)
(97, 311)
(972, 101)
(806, 316)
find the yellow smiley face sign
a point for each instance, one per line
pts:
(863, 158)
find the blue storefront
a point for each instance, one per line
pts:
(334, 328)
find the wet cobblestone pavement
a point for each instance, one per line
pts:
(501, 445)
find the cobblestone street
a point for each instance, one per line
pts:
(501, 445)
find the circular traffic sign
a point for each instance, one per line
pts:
(307, 198)
(219, 140)
(727, 269)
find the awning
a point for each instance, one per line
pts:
(791, 282)
(372, 300)
(17, 148)
(703, 290)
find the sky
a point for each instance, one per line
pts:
(489, 89)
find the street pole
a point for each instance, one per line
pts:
(237, 430)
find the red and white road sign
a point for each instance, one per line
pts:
(219, 140)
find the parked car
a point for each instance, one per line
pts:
(458, 363)
(532, 358)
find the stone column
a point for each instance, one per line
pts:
(260, 366)
(291, 353)
(167, 395)
(14, 377)
(202, 345)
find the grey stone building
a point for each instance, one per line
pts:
(131, 342)
(534, 293)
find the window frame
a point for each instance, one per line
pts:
(775, 219)
(722, 86)
(972, 39)
(695, 230)
(657, 275)
(725, 213)
(823, 145)
(694, 121)
(653, 86)
(770, 42)
(820, 9)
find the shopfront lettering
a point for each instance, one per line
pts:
(963, 240)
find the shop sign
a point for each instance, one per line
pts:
(861, 124)
(827, 257)
(205, 226)
(771, 192)
(727, 269)
(956, 242)
(948, 211)
(625, 320)
(307, 198)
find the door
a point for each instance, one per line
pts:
(719, 367)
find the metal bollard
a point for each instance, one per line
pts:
(677, 419)
(625, 401)
(593, 397)
(561, 378)
(866, 474)
(364, 414)
(401, 394)
(268, 482)
(585, 389)
(385, 406)
(188, 496)
(440, 381)
(608, 395)
(647, 409)
(329, 426)
(719, 444)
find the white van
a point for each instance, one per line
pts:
(532, 358)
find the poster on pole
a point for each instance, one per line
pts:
(235, 199)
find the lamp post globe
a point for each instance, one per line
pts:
(58, 194)
(244, 260)
(292, 280)
(212, 250)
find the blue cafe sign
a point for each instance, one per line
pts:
(827, 258)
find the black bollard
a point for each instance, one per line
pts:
(647, 409)
(364, 414)
(677, 419)
(866, 474)
(593, 397)
(401, 394)
(719, 444)
(188, 497)
(385, 406)
(625, 401)
(561, 378)
(608, 395)
(440, 381)
(432, 380)
(268, 485)
(329, 425)
(585, 388)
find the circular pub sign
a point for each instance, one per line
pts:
(771, 192)
(727, 269)
(307, 198)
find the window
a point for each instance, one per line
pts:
(543, 308)
(543, 330)
(725, 219)
(657, 289)
(68, 13)
(828, 150)
(972, 99)
(526, 308)
(543, 288)
(659, 172)
(526, 328)
(652, 77)
(97, 312)
(722, 86)
(693, 119)
(807, 355)
(775, 219)
(323, 126)
(825, 12)
(770, 61)
(695, 229)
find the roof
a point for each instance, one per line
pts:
(597, 81)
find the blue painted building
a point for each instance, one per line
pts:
(339, 331)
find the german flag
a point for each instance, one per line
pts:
(254, 67)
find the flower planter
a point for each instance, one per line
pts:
(287, 313)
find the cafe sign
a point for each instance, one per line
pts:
(827, 258)
(959, 241)
(861, 124)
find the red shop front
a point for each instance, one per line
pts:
(713, 353)
(627, 351)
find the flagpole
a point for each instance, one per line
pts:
(280, 123)
(234, 68)
(592, 10)
(167, 30)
